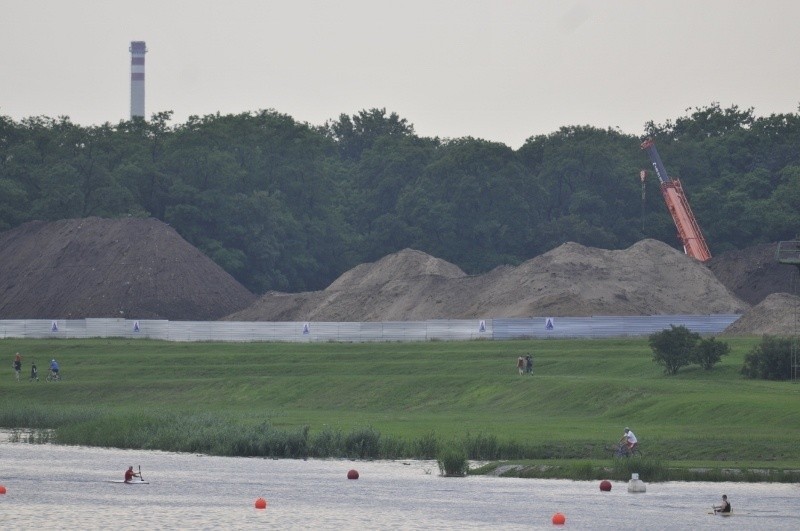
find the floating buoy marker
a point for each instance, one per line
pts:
(2, 489)
(352, 474)
(559, 519)
(261, 503)
(605, 485)
(636, 485)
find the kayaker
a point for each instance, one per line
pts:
(130, 474)
(724, 507)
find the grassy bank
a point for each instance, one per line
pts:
(404, 400)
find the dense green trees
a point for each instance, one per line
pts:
(770, 360)
(288, 206)
(678, 347)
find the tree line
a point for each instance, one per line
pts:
(289, 206)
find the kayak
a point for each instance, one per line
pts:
(129, 482)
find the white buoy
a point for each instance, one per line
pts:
(636, 484)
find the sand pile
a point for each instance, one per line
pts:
(142, 269)
(125, 268)
(777, 315)
(649, 278)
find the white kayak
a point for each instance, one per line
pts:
(132, 482)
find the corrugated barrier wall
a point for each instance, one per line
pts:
(440, 330)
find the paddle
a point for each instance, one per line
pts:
(140, 473)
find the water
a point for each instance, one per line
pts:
(60, 487)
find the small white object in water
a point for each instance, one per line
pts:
(636, 485)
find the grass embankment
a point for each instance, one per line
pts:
(405, 400)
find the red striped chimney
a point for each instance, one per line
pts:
(137, 49)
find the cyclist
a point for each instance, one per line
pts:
(629, 439)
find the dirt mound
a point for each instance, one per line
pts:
(752, 273)
(777, 315)
(404, 266)
(130, 268)
(649, 278)
(397, 287)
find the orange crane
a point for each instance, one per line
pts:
(689, 231)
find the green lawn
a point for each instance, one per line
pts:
(581, 396)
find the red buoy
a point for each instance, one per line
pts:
(2, 489)
(559, 519)
(352, 474)
(605, 485)
(261, 503)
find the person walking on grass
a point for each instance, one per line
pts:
(34, 372)
(54, 370)
(17, 365)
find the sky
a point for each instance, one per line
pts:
(500, 70)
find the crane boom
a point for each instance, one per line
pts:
(694, 244)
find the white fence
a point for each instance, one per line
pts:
(465, 329)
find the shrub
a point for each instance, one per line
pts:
(426, 447)
(452, 461)
(708, 352)
(769, 360)
(673, 348)
(648, 469)
(328, 443)
(363, 443)
(482, 446)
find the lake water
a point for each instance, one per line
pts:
(61, 487)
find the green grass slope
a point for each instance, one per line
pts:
(582, 394)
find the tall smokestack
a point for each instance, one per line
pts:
(137, 49)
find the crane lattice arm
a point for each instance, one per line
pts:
(694, 244)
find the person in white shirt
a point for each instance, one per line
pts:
(629, 439)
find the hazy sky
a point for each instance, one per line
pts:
(502, 70)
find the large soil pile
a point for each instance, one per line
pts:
(752, 273)
(777, 315)
(93, 267)
(649, 278)
(142, 269)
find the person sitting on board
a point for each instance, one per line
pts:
(130, 474)
(724, 507)
(629, 439)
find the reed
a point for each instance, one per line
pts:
(452, 460)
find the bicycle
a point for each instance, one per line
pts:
(53, 376)
(621, 450)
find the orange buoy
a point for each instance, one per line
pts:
(559, 519)
(261, 503)
(2, 489)
(605, 485)
(352, 474)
